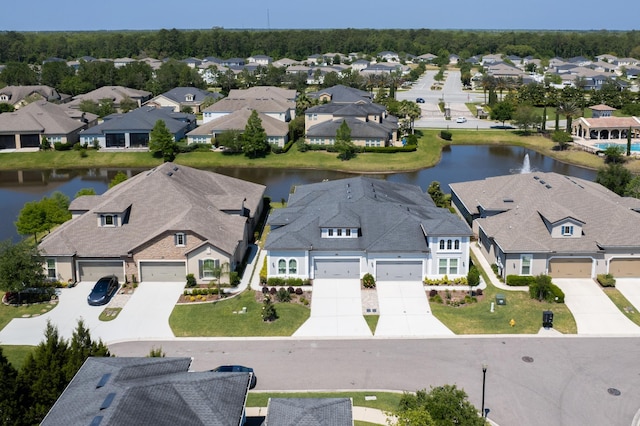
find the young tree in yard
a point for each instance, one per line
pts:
(218, 272)
(82, 347)
(614, 154)
(118, 178)
(447, 405)
(525, 117)
(231, 140)
(541, 288)
(614, 177)
(562, 139)
(268, 310)
(20, 266)
(254, 138)
(502, 111)
(346, 148)
(32, 219)
(439, 198)
(473, 278)
(161, 142)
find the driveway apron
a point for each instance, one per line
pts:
(405, 311)
(630, 289)
(336, 310)
(593, 311)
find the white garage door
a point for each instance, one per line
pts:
(163, 271)
(94, 270)
(399, 271)
(337, 268)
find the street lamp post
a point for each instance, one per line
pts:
(484, 380)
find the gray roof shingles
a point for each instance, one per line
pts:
(309, 412)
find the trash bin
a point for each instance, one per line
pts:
(547, 319)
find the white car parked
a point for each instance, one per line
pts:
(461, 120)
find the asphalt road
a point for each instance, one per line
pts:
(567, 380)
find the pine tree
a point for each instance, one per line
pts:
(161, 142)
(254, 137)
(82, 347)
(8, 376)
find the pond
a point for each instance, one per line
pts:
(458, 163)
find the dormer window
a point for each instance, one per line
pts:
(108, 220)
(188, 98)
(180, 239)
(567, 230)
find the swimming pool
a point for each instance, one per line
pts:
(635, 146)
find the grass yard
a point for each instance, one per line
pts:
(7, 313)
(385, 401)
(476, 318)
(372, 322)
(16, 354)
(219, 320)
(623, 304)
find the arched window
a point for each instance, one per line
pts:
(448, 244)
(282, 266)
(456, 244)
(441, 244)
(293, 266)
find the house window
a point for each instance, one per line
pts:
(448, 244)
(567, 230)
(51, 269)
(282, 266)
(525, 264)
(293, 266)
(456, 244)
(330, 232)
(339, 232)
(448, 266)
(108, 220)
(181, 239)
(441, 244)
(348, 232)
(453, 266)
(207, 268)
(442, 266)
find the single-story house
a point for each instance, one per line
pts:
(603, 125)
(27, 126)
(180, 98)
(350, 227)
(546, 223)
(133, 129)
(19, 96)
(276, 130)
(158, 225)
(115, 94)
(150, 391)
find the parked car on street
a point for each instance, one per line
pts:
(103, 290)
(420, 101)
(461, 120)
(238, 369)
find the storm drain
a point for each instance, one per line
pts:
(527, 359)
(614, 391)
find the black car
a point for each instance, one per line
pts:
(238, 369)
(420, 101)
(104, 289)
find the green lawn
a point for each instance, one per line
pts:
(372, 322)
(623, 304)
(16, 354)
(7, 313)
(218, 319)
(385, 401)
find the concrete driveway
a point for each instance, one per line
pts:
(594, 312)
(145, 315)
(630, 288)
(405, 311)
(336, 310)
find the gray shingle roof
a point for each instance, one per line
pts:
(359, 129)
(167, 198)
(525, 199)
(391, 217)
(343, 94)
(179, 94)
(150, 391)
(142, 120)
(309, 412)
(40, 117)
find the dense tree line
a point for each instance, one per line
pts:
(32, 47)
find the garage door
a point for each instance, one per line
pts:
(337, 268)
(163, 271)
(94, 270)
(570, 268)
(624, 267)
(399, 271)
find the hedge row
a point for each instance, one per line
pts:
(446, 281)
(606, 280)
(278, 281)
(520, 280)
(200, 291)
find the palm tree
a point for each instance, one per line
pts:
(488, 83)
(501, 84)
(218, 272)
(569, 109)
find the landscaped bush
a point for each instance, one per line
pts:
(283, 295)
(446, 281)
(298, 291)
(61, 146)
(606, 280)
(291, 290)
(293, 282)
(446, 135)
(557, 294)
(494, 268)
(390, 149)
(265, 290)
(436, 299)
(234, 278)
(263, 272)
(273, 290)
(520, 280)
(433, 293)
(191, 280)
(368, 281)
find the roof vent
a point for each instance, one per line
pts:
(542, 182)
(107, 401)
(169, 173)
(175, 168)
(507, 200)
(536, 177)
(103, 380)
(547, 186)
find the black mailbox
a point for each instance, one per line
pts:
(547, 319)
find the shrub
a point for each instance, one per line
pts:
(283, 295)
(469, 299)
(606, 280)
(494, 268)
(436, 299)
(291, 290)
(61, 146)
(557, 295)
(298, 291)
(368, 281)
(265, 290)
(479, 292)
(520, 280)
(445, 134)
(273, 290)
(191, 280)
(234, 278)
(304, 301)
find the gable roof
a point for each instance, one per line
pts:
(149, 391)
(522, 200)
(342, 94)
(179, 94)
(164, 199)
(309, 412)
(260, 92)
(391, 216)
(359, 129)
(115, 93)
(237, 120)
(40, 117)
(142, 120)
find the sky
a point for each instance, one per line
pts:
(68, 15)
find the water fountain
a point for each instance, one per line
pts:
(526, 165)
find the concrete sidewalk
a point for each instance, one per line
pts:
(487, 268)
(363, 414)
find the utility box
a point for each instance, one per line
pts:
(501, 299)
(547, 319)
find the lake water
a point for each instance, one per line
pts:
(458, 163)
